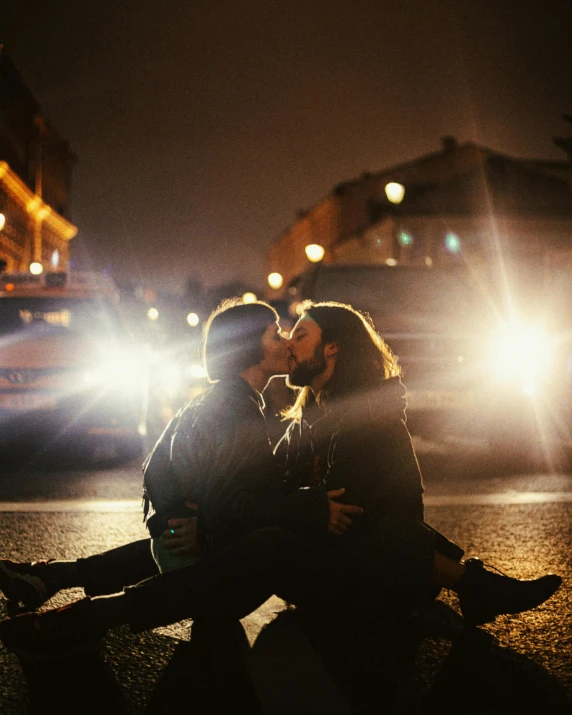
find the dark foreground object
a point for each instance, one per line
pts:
(77, 684)
(282, 675)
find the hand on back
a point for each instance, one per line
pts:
(339, 521)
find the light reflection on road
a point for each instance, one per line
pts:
(134, 505)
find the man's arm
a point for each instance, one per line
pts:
(379, 470)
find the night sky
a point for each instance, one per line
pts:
(203, 126)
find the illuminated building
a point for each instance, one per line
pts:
(463, 205)
(35, 177)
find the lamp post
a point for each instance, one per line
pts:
(315, 252)
(275, 280)
(395, 193)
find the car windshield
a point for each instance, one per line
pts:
(57, 315)
(391, 290)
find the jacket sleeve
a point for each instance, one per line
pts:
(224, 462)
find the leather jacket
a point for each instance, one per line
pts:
(216, 453)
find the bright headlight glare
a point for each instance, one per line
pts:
(121, 370)
(169, 376)
(521, 353)
(196, 371)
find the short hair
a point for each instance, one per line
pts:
(232, 338)
(364, 358)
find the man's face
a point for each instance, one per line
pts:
(307, 359)
(274, 351)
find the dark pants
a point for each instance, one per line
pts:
(110, 571)
(393, 560)
(239, 578)
(342, 594)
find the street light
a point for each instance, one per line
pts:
(193, 320)
(275, 280)
(394, 192)
(2, 221)
(36, 269)
(249, 297)
(153, 314)
(315, 252)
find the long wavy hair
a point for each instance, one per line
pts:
(363, 360)
(232, 337)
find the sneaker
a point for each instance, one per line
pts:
(484, 595)
(26, 583)
(63, 631)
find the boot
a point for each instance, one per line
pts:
(28, 584)
(484, 595)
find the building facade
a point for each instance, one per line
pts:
(35, 179)
(464, 204)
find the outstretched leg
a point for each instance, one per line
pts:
(32, 584)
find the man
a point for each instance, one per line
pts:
(360, 440)
(349, 420)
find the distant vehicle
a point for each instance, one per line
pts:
(69, 369)
(466, 369)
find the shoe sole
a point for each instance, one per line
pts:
(29, 590)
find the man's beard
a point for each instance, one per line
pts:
(304, 372)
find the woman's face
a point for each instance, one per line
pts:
(274, 351)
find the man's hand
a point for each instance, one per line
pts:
(339, 522)
(181, 536)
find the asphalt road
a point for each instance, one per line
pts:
(519, 521)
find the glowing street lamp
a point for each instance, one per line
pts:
(153, 314)
(394, 192)
(275, 280)
(315, 252)
(36, 269)
(249, 297)
(193, 320)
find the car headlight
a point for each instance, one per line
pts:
(169, 376)
(521, 354)
(196, 371)
(118, 369)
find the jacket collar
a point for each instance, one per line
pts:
(238, 386)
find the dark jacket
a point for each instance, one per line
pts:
(363, 445)
(216, 452)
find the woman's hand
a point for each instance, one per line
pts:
(181, 536)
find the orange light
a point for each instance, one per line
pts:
(394, 192)
(9, 287)
(315, 252)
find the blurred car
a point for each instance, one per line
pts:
(468, 367)
(69, 369)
